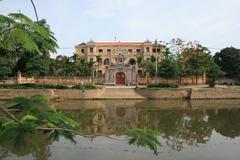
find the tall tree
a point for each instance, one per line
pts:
(229, 60)
(214, 72)
(149, 67)
(23, 39)
(37, 66)
(6, 66)
(168, 66)
(196, 61)
(69, 66)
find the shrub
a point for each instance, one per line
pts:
(238, 83)
(162, 85)
(86, 86)
(52, 86)
(33, 85)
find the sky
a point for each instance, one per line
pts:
(215, 23)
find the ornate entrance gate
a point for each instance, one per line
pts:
(120, 78)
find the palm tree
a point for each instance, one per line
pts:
(98, 61)
(92, 64)
(74, 57)
(35, 10)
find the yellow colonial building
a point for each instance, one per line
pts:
(119, 59)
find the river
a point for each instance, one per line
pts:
(200, 129)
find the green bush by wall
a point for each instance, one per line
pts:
(162, 85)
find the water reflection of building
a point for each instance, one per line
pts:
(180, 122)
(114, 120)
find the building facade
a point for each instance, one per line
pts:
(119, 59)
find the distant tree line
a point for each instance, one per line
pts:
(26, 45)
(182, 58)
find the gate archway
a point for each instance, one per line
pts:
(120, 78)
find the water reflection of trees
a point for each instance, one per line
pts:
(226, 122)
(35, 144)
(178, 127)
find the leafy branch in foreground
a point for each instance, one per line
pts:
(19, 33)
(141, 138)
(32, 114)
(24, 116)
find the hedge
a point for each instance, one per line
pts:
(162, 85)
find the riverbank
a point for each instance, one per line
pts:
(126, 93)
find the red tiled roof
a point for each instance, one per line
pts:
(102, 44)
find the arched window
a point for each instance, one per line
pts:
(106, 61)
(91, 50)
(140, 73)
(148, 50)
(132, 61)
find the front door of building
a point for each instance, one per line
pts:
(120, 78)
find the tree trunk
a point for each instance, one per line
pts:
(35, 10)
(92, 74)
(196, 79)
(212, 83)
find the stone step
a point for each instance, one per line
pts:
(121, 93)
(120, 86)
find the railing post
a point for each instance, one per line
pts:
(19, 77)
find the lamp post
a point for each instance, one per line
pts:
(93, 69)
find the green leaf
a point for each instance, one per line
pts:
(19, 31)
(29, 127)
(69, 136)
(54, 136)
(34, 112)
(61, 120)
(29, 117)
(9, 124)
(141, 138)
(51, 125)
(8, 133)
(35, 103)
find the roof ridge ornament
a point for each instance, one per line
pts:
(91, 42)
(147, 41)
